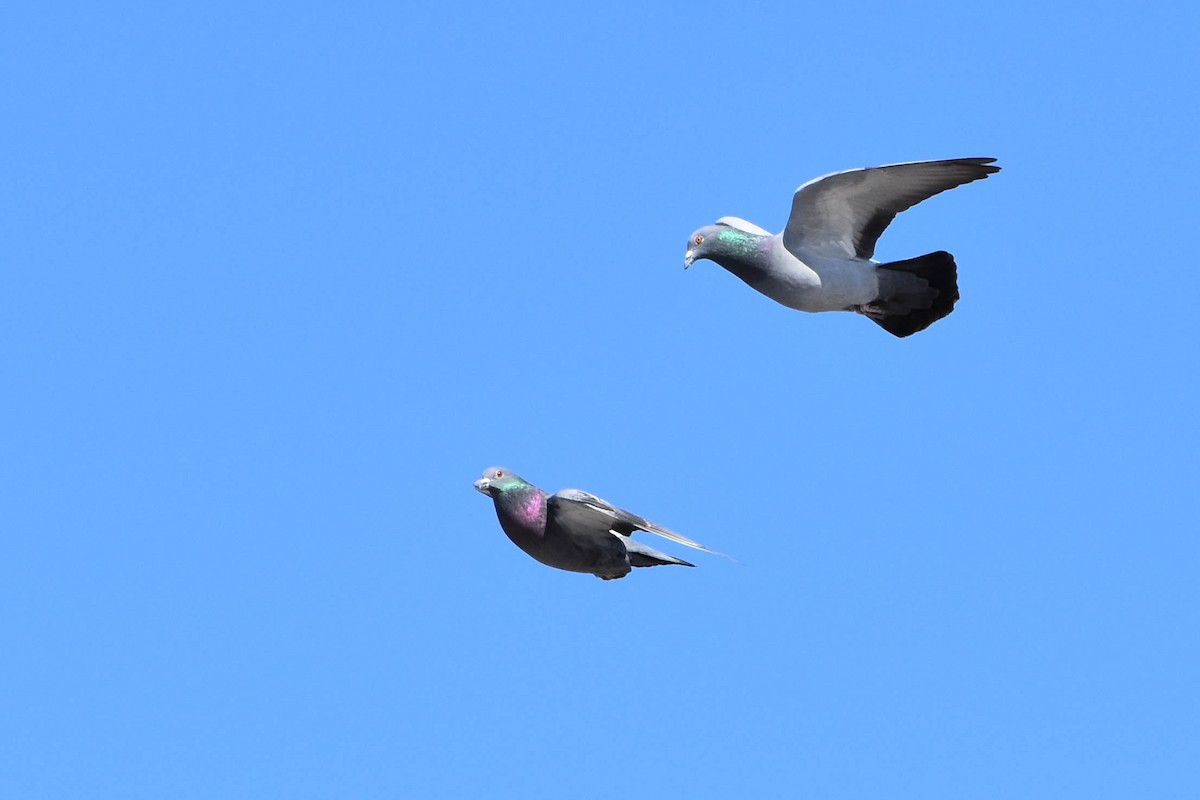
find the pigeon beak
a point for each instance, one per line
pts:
(482, 485)
(688, 258)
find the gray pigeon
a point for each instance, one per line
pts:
(822, 260)
(574, 530)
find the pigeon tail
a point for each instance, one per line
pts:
(642, 556)
(905, 305)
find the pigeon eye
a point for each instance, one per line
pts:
(499, 473)
(699, 239)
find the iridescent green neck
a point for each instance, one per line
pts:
(742, 253)
(510, 484)
(738, 242)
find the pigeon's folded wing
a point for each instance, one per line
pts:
(579, 511)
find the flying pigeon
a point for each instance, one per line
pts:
(574, 530)
(822, 260)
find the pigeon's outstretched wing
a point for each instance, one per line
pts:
(581, 513)
(845, 213)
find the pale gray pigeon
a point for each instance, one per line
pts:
(574, 530)
(822, 260)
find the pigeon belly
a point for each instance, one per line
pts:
(820, 283)
(561, 552)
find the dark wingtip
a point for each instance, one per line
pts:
(987, 164)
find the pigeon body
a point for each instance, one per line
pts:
(573, 530)
(822, 261)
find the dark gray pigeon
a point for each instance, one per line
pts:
(574, 530)
(822, 260)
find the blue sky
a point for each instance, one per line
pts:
(279, 282)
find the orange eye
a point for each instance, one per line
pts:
(499, 473)
(699, 239)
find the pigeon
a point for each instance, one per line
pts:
(823, 259)
(573, 530)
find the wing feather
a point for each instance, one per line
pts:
(845, 213)
(586, 511)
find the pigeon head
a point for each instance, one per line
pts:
(729, 242)
(498, 480)
(701, 245)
